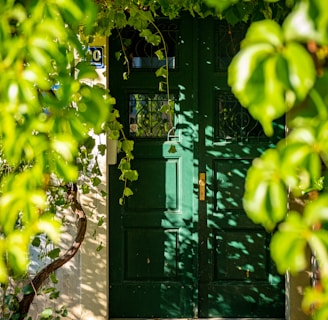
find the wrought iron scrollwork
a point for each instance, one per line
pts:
(234, 122)
(141, 53)
(151, 115)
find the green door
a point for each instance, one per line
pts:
(181, 246)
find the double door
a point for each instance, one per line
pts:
(182, 246)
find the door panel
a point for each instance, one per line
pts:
(172, 254)
(239, 279)
(153, 236)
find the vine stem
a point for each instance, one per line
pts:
(124, 54)
(166, 68)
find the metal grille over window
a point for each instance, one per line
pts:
(228, 42)
(234, 121)
(144, 54)
(151, 115)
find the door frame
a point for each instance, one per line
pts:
(200, 205)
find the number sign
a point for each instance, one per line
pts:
(97, 56)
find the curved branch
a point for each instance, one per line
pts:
(41, 276)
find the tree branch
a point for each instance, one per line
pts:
(40, 277)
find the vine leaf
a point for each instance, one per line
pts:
(258, 76)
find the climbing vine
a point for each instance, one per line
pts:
(280, 70)
(45, 133)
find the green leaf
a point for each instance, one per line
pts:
(265, 197)
(316, 211)
(265, 31)
(313, 296)
(46, 313)
(221, 5)
(54, 294)
(65, 145)
(53, 254)
(27, 289)
(96, 181)
(161, 72)
(102, 149)
(131, 175)
(86, 71)
(101, 221)
(300, 159)
(277, 200)
(100, 247)
(288, 245)
(17, 246)
(36, 241)
(125, 75)
(66, 171)
(127, 192)
(243, 66)
(159, 54)
(301, 69)
(53, 278)
(150, 37)
(258, 77)
(124, 164)
(308, 22)
(47, 224)
(127, 146)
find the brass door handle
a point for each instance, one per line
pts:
(202, 186)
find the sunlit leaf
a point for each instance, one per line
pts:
(131, 175)
(265, 31)
(221, 5)
(17, 245)
(86, 71)
(265, 197)
(161, 72)
(316, 211)
(159, 54)
(289, 243)
(301, 70)
(101, 220)
(46, 313)
(308, 21)
(49, 225)
(127, 192)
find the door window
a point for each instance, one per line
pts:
(143, 54)
(151, 114)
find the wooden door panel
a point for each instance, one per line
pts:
(151, 300)
(161, 185)
(237, 278)
(151, 254)
(240, 255)
(228, 182)
(171, 254)
(249, 300)
(154, 238)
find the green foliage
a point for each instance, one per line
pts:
(282, 70)
(270, 75)
(47, 114)
(44, 132)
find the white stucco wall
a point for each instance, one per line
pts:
(83, 281)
